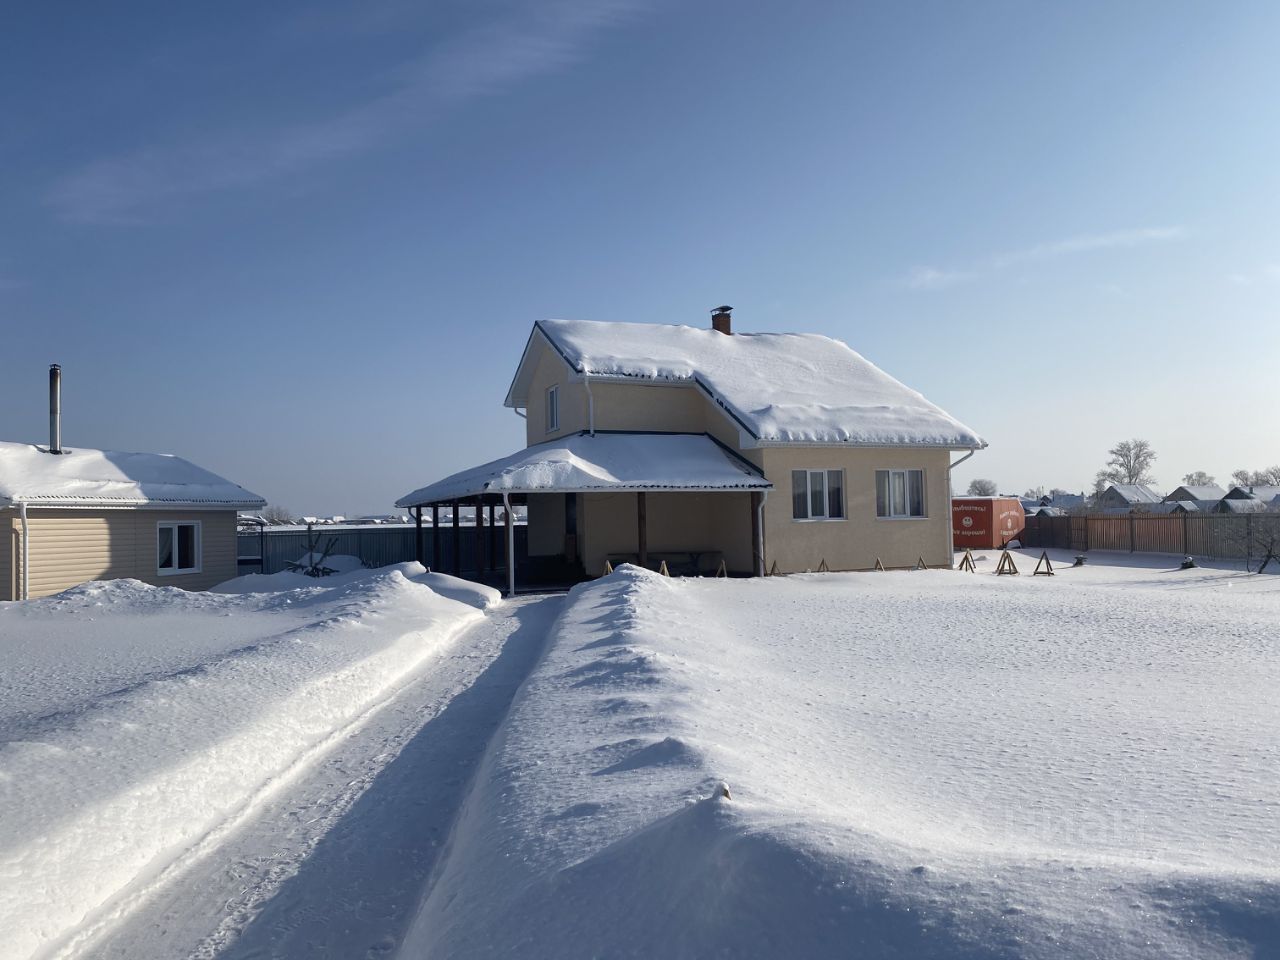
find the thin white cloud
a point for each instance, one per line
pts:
(1270, 273)
(933, 278)
(1089, 243)
(533, 41)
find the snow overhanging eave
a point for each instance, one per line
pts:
(872, 444)
(126, 503)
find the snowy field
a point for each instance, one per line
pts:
(394, 763)
(140, 725)
(917, 764)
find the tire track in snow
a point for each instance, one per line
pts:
(336, 851)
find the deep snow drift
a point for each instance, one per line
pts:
(918, 764)
(138, 724)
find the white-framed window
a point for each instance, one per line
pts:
(177, 548)
(899, 494)
(817, 494)
(553, 408)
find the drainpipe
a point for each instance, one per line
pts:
(764, 495)
(522, 416)
(26, 552)
(591, 408)
(951, 533)
(511, 546)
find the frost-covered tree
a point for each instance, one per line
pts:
(1199, 479)
(1035, 493)
(982, 488)
(1266, 477)
(1130, 462)
(277, 514)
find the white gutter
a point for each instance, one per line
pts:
(951, 533)
(591, 406)
(511, 546)
(26, 552)
(760, 569)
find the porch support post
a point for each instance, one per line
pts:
(642, 528)
(481, 559)
(491, 539)
(457, 543)
(435, 536)
(757, 535)
(417, 523)
(511, 547)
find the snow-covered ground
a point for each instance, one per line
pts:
(908, 764)
(140, 726)
(918, 764)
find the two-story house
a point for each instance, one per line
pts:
(648, 441)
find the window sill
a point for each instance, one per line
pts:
(819, 519)
(177, 573)
(901, 518)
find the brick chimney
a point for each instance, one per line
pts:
(721, 321)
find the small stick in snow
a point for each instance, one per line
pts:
(822, 567)
(879, 566)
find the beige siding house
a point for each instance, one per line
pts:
(650, 442)
(82, 515)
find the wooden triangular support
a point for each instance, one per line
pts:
(1006, 567)
(879, 566)
(822, 567)
(608, 568)
(722, 570)
(920, 564)
(663, 569)
(1043, 567)
(773, 571)
(966, 564)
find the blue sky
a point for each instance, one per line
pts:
(303, 244)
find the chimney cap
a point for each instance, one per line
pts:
(724, 309)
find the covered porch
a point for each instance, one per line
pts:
(612, 497)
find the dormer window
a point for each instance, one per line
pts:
(553, 408)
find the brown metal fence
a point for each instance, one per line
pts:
(1214, 536)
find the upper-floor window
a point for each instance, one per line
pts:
(817, 494)
(177, 548)
(553, 408)
(900, 493)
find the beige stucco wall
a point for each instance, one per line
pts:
(546, 524)
(661, 408)
(855, 542)
(71, 546)
(677, 522)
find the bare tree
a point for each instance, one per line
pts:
(982, 488)
(1035, 493)
(1199, 479)
(1130, 462)
(1266, 477)
(277, 514)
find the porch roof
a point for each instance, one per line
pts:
(606, 462)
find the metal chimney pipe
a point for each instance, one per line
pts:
(55, 408)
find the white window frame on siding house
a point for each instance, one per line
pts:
(553, 408)
(901, 495)
(172, 527)
(817, 498)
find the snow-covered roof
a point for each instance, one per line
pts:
(80, 477)
(607, 461)
(1201, 492)
(1263, 493)
(1135, 492)
(1248, 505)
(778, 387)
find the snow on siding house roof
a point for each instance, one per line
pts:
(1135, 493)
(1206, 492)
(605, 462)
(81, 477)
(780, 387)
